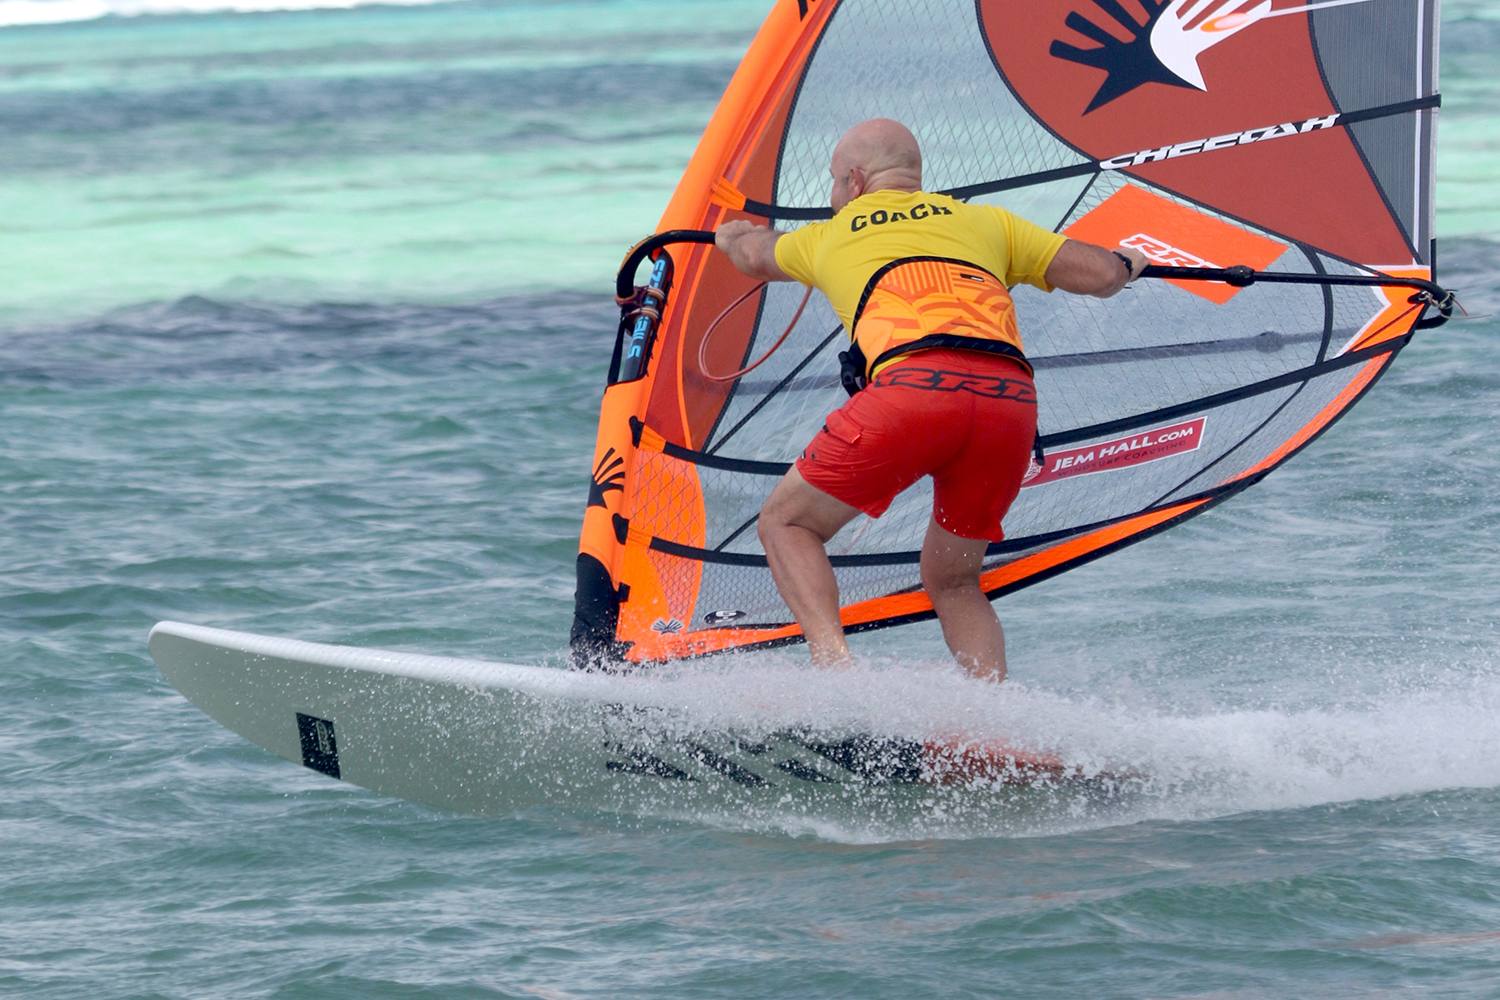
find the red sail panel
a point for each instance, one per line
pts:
(1313, 187)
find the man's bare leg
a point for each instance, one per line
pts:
(796, 522)
(950, 575)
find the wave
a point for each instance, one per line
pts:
(16, 13)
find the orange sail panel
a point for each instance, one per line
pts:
(1204, 133)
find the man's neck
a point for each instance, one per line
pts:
(893, 180)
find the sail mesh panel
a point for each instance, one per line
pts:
(1124, 360)
(926, 65)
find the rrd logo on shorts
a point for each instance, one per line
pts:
(990, 386)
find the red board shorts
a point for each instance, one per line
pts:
(966, 418)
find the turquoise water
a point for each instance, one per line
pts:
(302, 331)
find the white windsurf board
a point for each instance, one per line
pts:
(479, 737)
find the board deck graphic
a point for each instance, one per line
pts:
(477, 737)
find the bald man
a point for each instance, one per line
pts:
(938, 378)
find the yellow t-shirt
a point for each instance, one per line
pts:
(841, 255)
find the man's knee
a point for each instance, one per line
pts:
(768, 527)
(777, 514)
(947, 579)
(951, 563)
(776, 522)
(795, 505)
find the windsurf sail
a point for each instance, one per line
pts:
(1283, 149)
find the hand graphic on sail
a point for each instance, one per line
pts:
(1187, 28)
(1190, 27)
(1166, 47)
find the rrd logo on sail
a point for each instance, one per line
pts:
(1164, 253)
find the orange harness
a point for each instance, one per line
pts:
(917, 303)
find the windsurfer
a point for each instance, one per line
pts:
(920, 282)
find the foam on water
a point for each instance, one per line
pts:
(1429, 737)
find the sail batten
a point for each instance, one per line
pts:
(1090, 168)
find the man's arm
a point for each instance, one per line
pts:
(752, 249)
(1086, 269)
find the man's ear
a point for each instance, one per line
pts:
(857, 179)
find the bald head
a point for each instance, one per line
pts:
(875, 155)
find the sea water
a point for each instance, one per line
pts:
(304, 321)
